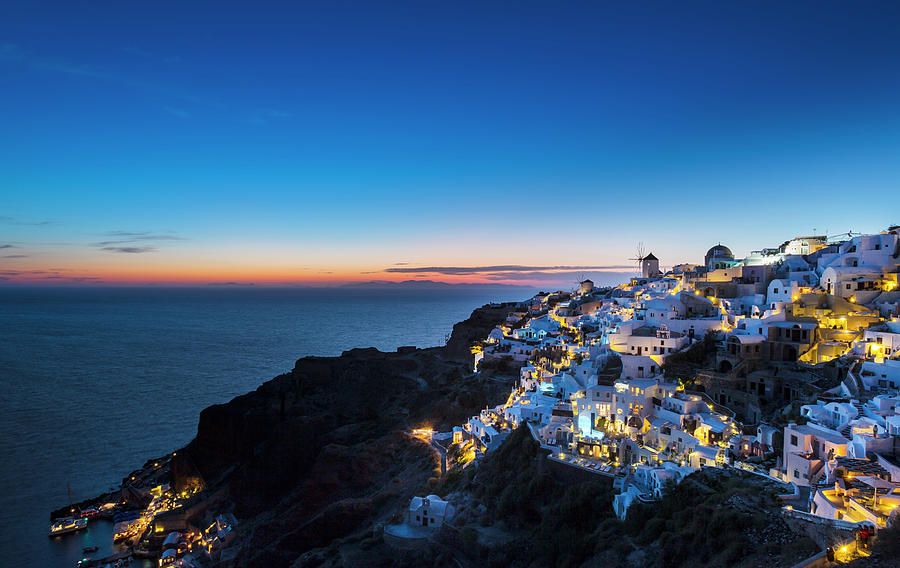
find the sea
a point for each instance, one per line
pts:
(95, 381)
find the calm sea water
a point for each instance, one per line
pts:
(94, 381)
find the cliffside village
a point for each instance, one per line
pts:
(785, 363)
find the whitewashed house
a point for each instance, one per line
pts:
(780, 290)
(833, 415)
(596, 403)
(806, 449)
(885, 374)
(431, 511)
(805, 245)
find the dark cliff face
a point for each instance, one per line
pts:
(325, 441)
(476, 328)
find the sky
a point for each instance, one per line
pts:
(527, 142)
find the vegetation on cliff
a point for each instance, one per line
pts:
(713, 518)
(716, 517)
(549, 523)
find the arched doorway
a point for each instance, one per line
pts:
(789, 353)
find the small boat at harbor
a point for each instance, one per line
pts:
(90, 512)
(67, 525)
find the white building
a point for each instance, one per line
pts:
(429, 511)
(596, 403)
(805, 245)
(780, 290)
(832, 415)
(865, 250)
(885, 374)
(648, 341)
(806, 449)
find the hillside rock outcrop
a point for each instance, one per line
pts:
(319, 453)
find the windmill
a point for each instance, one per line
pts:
(850, 234)
(579, 278)
(640, 257)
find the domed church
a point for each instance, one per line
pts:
(719, 256)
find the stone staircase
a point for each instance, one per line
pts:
(846, 431)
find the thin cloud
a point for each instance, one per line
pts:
(7, 246)
(150, 55)
(177, 112)
(16, 256)
(12, 54)
(27, 272)
(15, 55)
(16, 221)
(130, 250)
(597, 276)
(144, 236)
(134, 242)
(263, 117)
(135, 50)
(504, 269)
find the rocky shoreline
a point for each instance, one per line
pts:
(320, 453)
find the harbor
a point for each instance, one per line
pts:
(147, 522)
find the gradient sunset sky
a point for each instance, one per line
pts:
(524, 142)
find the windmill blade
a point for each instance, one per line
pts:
(581, 277)
(640, 256)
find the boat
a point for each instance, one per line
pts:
(90, 512)
(67, 525)
(89, 549)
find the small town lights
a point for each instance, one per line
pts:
(638, 412)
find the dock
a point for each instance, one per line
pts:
(112, 559)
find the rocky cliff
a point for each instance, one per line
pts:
(320, 453)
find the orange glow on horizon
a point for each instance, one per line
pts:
(259, 276)
(278, 268)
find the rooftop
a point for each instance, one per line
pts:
(650, 331)
(864, 467)
(820, 432)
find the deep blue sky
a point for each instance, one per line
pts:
(333, 140)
